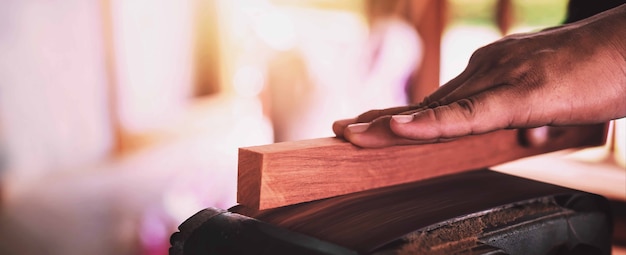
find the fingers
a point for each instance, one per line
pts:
(340, 125)
(449, 87)
(502, 107)
(437, 98)
(379, 133)
(471, 82)
(376, 134)
(452, 102)
(471, 87)
(371, 134)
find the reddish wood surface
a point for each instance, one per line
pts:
(293, 172)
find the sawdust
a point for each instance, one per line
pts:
(443, 240)
(464, 233)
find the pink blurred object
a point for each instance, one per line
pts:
(154, 233)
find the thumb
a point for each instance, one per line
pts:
(481, 113)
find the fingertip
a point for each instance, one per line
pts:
(370, 135)
(357, 135)
(339, 126)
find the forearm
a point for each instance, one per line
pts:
(611, 27)
(615, 25)
(606, 34)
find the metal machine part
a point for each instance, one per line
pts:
(495, 214)
(216, 231)
(551, 225)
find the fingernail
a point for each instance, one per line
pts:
(402, 118)
(358, 127)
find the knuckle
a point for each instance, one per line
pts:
(467, 107)
(495, 54)
(488, 51)
(457, 118)
(478, 54)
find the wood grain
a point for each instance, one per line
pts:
(293, 172)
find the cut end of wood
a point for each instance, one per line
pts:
(256, 185)
(249, 177)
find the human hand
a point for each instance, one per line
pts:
(567, 75)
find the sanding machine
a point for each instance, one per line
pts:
(450, 212)
(477, 212)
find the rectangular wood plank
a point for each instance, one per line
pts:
(293, 172)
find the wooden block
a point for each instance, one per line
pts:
(293, 172)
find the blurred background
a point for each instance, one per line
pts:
(121, 119)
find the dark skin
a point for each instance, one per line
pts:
(566, 75)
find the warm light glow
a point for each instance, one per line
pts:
(275, 29)
(153, 50)
(248, 80)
